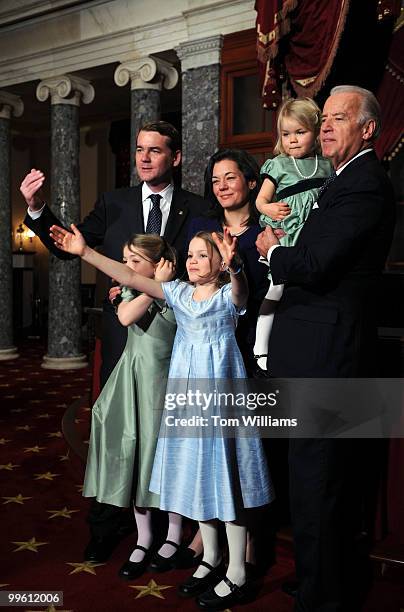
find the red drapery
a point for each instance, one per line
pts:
(311, 46)
(300, 38)
(391, 97)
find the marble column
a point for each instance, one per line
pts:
(9, 105)
(200, 67)
(147, 76)
(64, 322)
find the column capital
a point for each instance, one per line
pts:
(10, 105)
(201, 52)
(65, 89)
(146, 73)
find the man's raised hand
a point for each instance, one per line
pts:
(31, 189)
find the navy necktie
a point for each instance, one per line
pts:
(155, 215)
(327, 183)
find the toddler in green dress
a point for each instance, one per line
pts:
(294, 178)
(125, 427)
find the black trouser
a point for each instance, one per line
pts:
(323, 512)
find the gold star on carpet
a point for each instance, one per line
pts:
(3, 585)
(67, 385)
(87, 409)
(27, 389)
(86, 441)
(64, 512)
(65, 457)
(8, 466)
(9, 397)
(24, 428)
(61, 405)
(18, 499)
(45, 476)
(5, 385)
(80, 488)
(77, 421)
(76, 396)
(45, 415)
(31, 544)
(18, 410)
(55, 434)
(152, 588)
(34, 449)
(21, 378)
(52, 392)
(3, 441)
(84, 566)
(34, 401)
(49, 609)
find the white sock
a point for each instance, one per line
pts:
(237, 542)
(211, 552)
(262, 333)
(173, 534)
(144, 533)
(264, 325)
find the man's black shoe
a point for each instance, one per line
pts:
(290, 587)
(99, 550)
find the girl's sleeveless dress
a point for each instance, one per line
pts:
(206, 476)
(125, 423)
(296, 191)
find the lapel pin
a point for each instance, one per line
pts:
(180, 212)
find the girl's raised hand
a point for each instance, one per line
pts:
(69, 242)
(227, 247)
(165, 271)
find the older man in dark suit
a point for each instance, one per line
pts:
(155, 205)
(325, 327)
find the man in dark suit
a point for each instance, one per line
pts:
(156, 205)
(325, 327)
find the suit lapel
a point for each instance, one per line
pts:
(135, 208)
(178, 213)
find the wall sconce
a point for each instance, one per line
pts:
(30, 235)
(19, 238)
(23, 233)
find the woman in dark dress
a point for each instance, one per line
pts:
(232, 182)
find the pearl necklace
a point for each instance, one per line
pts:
(301, 173)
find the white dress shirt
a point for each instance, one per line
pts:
(165, 204)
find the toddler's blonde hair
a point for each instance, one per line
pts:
(306, 112)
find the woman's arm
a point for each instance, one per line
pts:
(74, 243)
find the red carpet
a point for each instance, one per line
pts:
(42, 513)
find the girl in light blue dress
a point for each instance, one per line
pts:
(204, 477)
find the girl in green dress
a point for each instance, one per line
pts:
(294, 178)
(125, 417)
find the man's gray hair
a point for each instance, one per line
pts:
(370, 109)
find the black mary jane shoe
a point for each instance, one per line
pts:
(259, 372)
(209, 600)
(195, 586)
(163, 564)
(185, 558)
(290, 587)
(133, 569)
